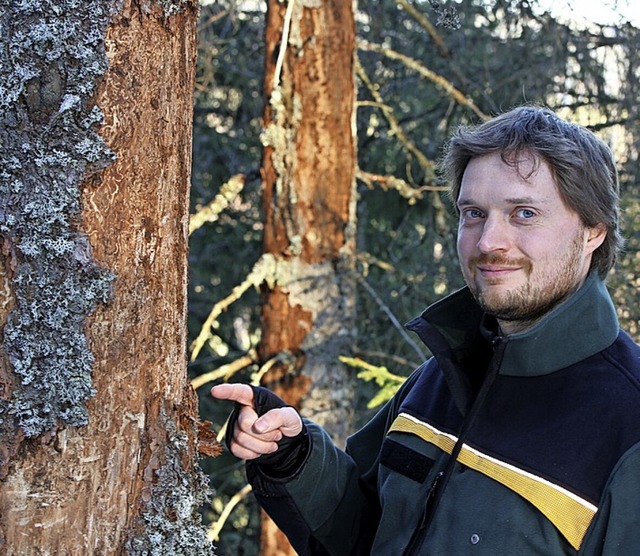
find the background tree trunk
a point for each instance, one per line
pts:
(309, 199)
(128, 481)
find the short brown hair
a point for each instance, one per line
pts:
(582, 165)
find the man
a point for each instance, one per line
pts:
(521, 435)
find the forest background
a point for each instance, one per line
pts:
(423, 68)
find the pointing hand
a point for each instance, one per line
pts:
(261, 423)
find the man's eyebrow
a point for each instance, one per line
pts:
(463, 201)
(524, 200)
(510, 201)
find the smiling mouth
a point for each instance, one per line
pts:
(493, 274)
(487, 269)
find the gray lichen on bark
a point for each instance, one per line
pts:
(169, 7)
(169, 524)
(52, 56)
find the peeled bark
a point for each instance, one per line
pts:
(114, 469)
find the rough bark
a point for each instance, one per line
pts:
(309, 199)
(121, 477)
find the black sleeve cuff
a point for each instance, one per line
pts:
(284, 464)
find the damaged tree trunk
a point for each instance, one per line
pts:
(309, 199)
(99, 427)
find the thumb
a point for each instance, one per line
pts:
(285, 419)
(239, 393)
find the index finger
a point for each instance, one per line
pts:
(240, 393)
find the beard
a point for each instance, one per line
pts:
(541, 292)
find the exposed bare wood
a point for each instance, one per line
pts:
(308, 174)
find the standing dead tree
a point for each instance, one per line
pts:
(308, 173)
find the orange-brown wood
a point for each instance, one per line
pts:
(309, 193)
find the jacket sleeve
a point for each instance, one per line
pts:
(330, 505)
(615, 530)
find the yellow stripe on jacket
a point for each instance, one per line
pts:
(570, 513)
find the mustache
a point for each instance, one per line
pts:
(499, 260)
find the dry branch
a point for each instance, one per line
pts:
(392, 182)
(427, 26)
(394, 320)
(262, 271)
(228, 192)
(395, 126)
(225, 371)
(442, 48)
(214, 529)
(440, 81)
(427, 165)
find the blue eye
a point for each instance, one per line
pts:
(525, 213)
(473, 214)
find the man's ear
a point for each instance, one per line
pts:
(596, 236)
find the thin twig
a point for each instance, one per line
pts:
(436, 37)
(395, 126)
(422, 70)
(263, 269)
(216, 310)
(225, 371)
(210, 213)
(427, 165)
(392, 317)
(211, 19)
(393, 182)
(372, 103)
(427, 26)
(397, 359)
(214, 529)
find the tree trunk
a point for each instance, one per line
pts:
(309, 199)
(99, 425)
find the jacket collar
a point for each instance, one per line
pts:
(454, 329)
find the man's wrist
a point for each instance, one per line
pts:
(288, 460)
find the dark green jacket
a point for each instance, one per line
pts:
(528, 444)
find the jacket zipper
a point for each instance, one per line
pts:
(442, 478)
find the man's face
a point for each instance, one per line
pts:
(521, 249)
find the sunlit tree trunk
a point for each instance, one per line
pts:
(309, 198)
(99, 425)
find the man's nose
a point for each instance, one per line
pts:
(495, 235)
